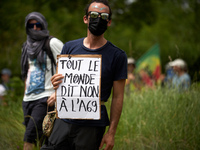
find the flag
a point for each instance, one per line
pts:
(150, 62)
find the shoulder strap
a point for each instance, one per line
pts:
(49, 52)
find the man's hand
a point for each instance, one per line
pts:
(115, 113)
(56, 79)
(51, 100)
(109, 140)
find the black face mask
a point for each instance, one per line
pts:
(97, 26)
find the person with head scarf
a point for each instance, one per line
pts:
(37, 69)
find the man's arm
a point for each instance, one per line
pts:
(115, 113)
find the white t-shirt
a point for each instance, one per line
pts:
(2, 90)
(38, 82)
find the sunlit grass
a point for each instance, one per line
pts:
(159, 119)
(11, 128)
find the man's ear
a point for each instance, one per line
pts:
(109, 23)
(85, 19)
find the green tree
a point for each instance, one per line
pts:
(136, 26)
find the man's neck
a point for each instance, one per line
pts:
(94, 42)
(181, 73)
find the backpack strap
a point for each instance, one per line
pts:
(49, 52)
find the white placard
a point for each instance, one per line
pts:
(78, 96)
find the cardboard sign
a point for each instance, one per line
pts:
(78, 96)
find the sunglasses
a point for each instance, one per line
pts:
(31, 25)
(94, 14)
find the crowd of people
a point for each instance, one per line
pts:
(38, 59)
(176, 77)
(36, 64)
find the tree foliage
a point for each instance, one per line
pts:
(136, 26)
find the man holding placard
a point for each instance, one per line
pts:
(108, 64)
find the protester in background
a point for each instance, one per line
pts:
(145, 78)
(37, 68)
(88, 134)
(181, 80)
(169, 73)
(131, 77)
(4, 86)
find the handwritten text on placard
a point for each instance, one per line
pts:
(78, 96)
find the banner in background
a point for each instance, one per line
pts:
(150, 63)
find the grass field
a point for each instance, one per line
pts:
(159, 119)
